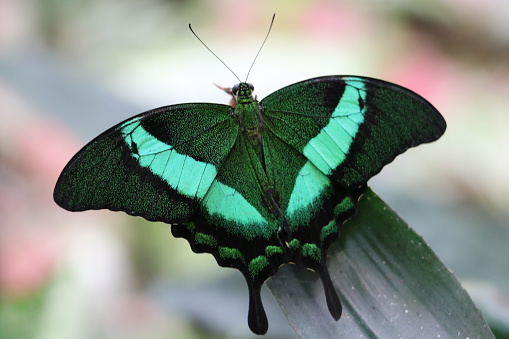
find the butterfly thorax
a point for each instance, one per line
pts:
(249, 115)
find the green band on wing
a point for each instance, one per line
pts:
(310, 183)
(186, 175)
(195, 179)
(242, 218)
(329, 148)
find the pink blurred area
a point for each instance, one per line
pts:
(331, 20)
(45, 252)
(32, 154)
(27, 262)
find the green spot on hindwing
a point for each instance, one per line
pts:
(312, 251)
(205, 239)
(345, 205)
(294, 244)
(190, 226)
(272, 250)
(230, 253)
(257, 265)
(330, 229)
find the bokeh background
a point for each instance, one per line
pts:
(70, 69)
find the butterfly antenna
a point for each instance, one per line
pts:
(263, 43)
(214, 54)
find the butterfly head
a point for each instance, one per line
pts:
(242, 89)
(242, 92)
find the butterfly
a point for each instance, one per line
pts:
(260, 184)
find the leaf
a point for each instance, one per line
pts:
(390, 282)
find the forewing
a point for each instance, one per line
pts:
(157, 165)
(350, 127)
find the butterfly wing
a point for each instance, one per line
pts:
(351, 127)
(157, 165)
(332, 134)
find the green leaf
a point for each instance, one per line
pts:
(390, 282)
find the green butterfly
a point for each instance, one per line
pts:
(260, 184)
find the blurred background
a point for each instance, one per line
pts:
(70, 69)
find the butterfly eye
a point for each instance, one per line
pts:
(235, 89)
(251, 87)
